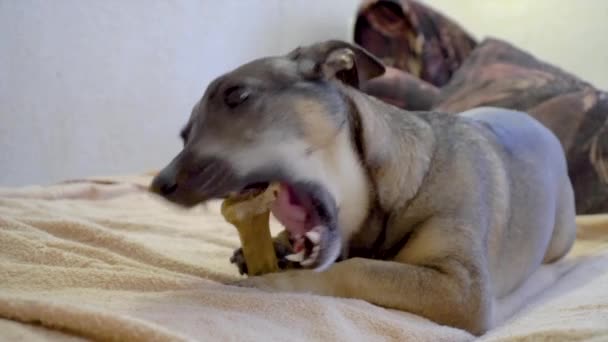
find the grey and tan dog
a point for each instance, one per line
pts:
(445, 216)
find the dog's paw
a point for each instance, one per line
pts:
(238, 259)
(286, 281)
(299, 281)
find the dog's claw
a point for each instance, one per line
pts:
(238, 259)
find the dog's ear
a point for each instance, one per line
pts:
(337, 59)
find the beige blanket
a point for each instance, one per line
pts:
(107, 261)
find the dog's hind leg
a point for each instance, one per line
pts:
(564, 231)
(545, 276)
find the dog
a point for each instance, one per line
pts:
(441, 215)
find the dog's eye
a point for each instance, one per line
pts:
(184, 134)
(184, 137)
(236, 95)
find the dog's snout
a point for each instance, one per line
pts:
(188, 181)
(163, 185)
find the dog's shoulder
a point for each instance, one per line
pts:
(467, 167)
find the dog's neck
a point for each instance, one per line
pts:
(395, 146)
(376, 166)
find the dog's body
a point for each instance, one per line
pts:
(440, 215)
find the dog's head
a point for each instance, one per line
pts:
(280, 119)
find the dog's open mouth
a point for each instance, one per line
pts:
(304, 211)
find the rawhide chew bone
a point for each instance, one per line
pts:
(250, 214)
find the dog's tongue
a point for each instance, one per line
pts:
(290, 211)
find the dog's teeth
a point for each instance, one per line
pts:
(296, 257)
(312, 258)
(314, 236)
(307, 262)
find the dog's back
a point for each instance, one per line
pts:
(541, 224)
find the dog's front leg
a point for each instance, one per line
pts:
(448, 292)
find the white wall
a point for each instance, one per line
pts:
(103, 87)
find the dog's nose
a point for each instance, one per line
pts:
(163, 185)
(167, 189)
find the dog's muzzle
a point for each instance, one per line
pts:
(188, 183)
